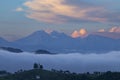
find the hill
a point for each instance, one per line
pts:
(43, 52)
(40, 74)
(14, 50)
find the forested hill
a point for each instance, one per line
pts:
(40, 74)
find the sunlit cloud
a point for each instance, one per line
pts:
(113, 32)
(58, 11)
(80, 33)
(19, 9)
(101, 30)
(75, 34)
(48, 31)
(115, 29)
(83, 32)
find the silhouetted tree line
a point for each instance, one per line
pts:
(38, 73)
(3, 72)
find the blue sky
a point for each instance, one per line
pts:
(19, 18)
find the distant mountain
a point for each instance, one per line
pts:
(108, 34)
(3, 42)
(61, 43)
(96, 43)
(42, 40)
(14, 50)
(43, 52)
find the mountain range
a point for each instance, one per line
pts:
(61, 43)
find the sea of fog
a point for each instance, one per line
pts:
(74, 62)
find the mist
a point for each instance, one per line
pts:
(74, 62)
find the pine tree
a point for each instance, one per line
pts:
(35, 66)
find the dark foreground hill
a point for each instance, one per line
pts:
(40, 74)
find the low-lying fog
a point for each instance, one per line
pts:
(74, 62)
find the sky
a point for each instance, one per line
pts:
(20, 18)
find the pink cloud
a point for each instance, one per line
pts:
(57, 11)
(115, 29)
(80, 33)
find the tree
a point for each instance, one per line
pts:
(35, 66)
(40, 66)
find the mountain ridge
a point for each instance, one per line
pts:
(61, 43)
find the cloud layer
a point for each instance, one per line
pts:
(61, 11)
(74, 62)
